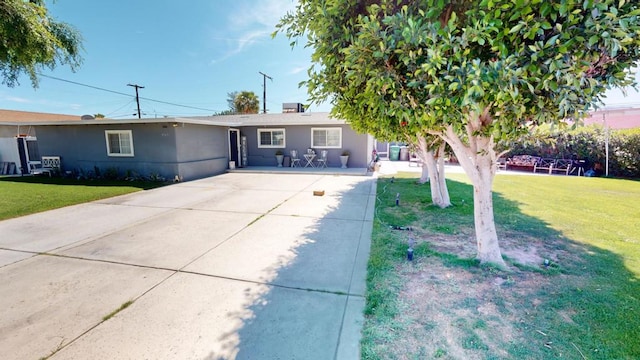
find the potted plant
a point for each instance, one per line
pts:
(279, 157)
(344, 158)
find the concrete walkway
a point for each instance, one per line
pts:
(237, 266)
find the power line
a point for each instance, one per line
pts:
(85, 85)
(118, 109)
(124, 94)
(174, 104)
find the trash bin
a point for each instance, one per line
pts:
(394, 152)
(404, 153)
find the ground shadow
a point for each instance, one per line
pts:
(300, 316)
(562, 298)
(143, 185)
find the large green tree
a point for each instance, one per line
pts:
(31, 40)
(471, 72)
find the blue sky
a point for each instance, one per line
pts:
(191, 54)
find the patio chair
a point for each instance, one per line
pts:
(295, 159)
(322, 160)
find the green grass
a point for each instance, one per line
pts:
(584, 305)
(114, 312)
(21, 196)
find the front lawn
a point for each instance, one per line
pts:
(27, 195)
(573, 292)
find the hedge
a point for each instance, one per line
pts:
(584, 143)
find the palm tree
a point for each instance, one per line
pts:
(246, 102)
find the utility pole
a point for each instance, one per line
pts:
(264, 90)
(606, 142)
(137, 98)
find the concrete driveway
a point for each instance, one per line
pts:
(237, 266)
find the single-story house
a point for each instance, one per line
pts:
(196, 147)
(18, 139)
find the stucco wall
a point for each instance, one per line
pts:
(189, 151)
(15, 130)
(201, 150)
(83, 147)
(298, 137)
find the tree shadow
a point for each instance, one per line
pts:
(45, 180)
(298, 312)
(563, 298)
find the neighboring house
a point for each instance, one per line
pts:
(622, 118)
(18, 145)
(196, 147)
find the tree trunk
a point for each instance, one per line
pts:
(478, 158)
(437, 181)
(424, 175)
(423, 154)
(444, 190)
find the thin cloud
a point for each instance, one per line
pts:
(265, 14)
(251, 22)
(297, 70)
(17, 99)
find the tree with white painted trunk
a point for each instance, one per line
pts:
(471, 72)
(430, 151)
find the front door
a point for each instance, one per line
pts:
(234, 146)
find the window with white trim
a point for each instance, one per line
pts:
(119, 142)
(271, 138)
(328, 138)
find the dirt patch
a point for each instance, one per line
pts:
(452, 311)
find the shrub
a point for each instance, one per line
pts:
(111, 173)
(583, 143)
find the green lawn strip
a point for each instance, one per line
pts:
(21, 196)
(584, 304)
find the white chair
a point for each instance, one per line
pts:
(322, 160)
(295, 159)
(49, 165)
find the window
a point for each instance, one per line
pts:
(119, 142)
(330, 138)
(271, 138)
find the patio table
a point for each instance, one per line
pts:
(309, 159)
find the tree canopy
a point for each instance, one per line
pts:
(246, 102)
(470, 71)
(231, 101)
(31, 40)
(429, 63)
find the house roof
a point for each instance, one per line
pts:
(276, 119)
(22, 117)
